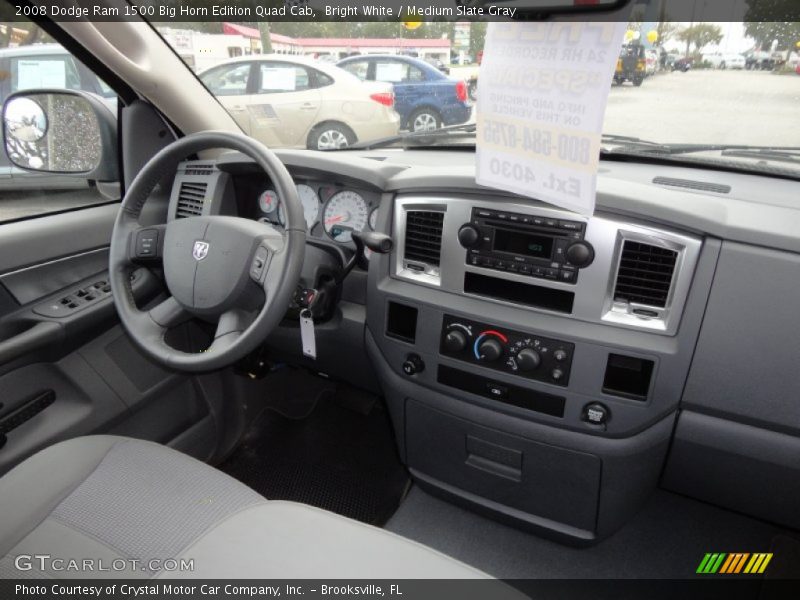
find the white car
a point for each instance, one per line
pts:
(723, 60)
(295, 102)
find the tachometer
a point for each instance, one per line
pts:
(310, 201)
(344, 213)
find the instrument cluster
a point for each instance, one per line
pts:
(329, 210)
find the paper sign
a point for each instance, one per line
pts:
(542, 94)
(281, 79)
(390, 72)
(33, 74)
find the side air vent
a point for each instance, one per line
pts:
(703, 186)
(423, 242)
(199, 169)
(191, 197)
(645, 274)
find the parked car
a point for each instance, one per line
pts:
(682, 64)
(425, 98)
(439, 65)
(759, 60)
(725, 60)
(280, 101)
(44, 66)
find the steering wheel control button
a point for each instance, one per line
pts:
(413, 364)
(596, 414)
(147, 243)
(259, 265)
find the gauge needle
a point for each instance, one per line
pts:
(335, 219)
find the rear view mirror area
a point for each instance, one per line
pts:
(62, 131)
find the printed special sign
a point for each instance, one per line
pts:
(542, 94)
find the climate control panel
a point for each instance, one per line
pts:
(524, 354)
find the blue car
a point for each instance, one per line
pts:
(425, 98)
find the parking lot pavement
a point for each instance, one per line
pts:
(717, 107)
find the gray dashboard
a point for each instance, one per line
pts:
(574, 446)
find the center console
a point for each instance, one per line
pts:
(532, 359)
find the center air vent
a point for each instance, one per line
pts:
(191, 197)
(199, 169)
(423, 242)
(645, 274)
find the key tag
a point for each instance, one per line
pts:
(307, 334)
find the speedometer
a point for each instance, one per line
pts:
(310, 201)
(344, 213)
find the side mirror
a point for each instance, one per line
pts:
(61, 131)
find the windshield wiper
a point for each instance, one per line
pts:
(627, 142)
(418, 137)
(790, 155)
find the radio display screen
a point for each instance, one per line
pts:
(523, 243)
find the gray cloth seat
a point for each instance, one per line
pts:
(114, 500)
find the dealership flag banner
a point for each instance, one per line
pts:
(542, 95)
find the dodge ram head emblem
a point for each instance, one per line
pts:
(200, 250)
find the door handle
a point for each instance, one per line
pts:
(237, 108)
(308, 106)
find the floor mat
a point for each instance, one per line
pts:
(667, 539)
(341, 456)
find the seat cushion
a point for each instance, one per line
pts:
(129, 505)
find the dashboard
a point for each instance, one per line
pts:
(542, 366)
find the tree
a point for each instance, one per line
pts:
(700, 35)
(266, 41)
(764, 33)
(666, 31)
(477, 38)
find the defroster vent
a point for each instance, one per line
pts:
(424, 237)
(645, 274)
(191, 197)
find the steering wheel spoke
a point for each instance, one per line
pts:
(169, 313)
(146, 244)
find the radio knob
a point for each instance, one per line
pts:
(528, 359)
(469, 236)
(490, 350)
(455, 340)
(580, 254)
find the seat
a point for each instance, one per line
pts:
(114, 500)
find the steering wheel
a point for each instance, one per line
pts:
(216, 267)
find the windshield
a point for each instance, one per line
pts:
(334, 85)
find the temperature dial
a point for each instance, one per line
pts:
(489, 346)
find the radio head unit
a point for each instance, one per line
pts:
(540, 247)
